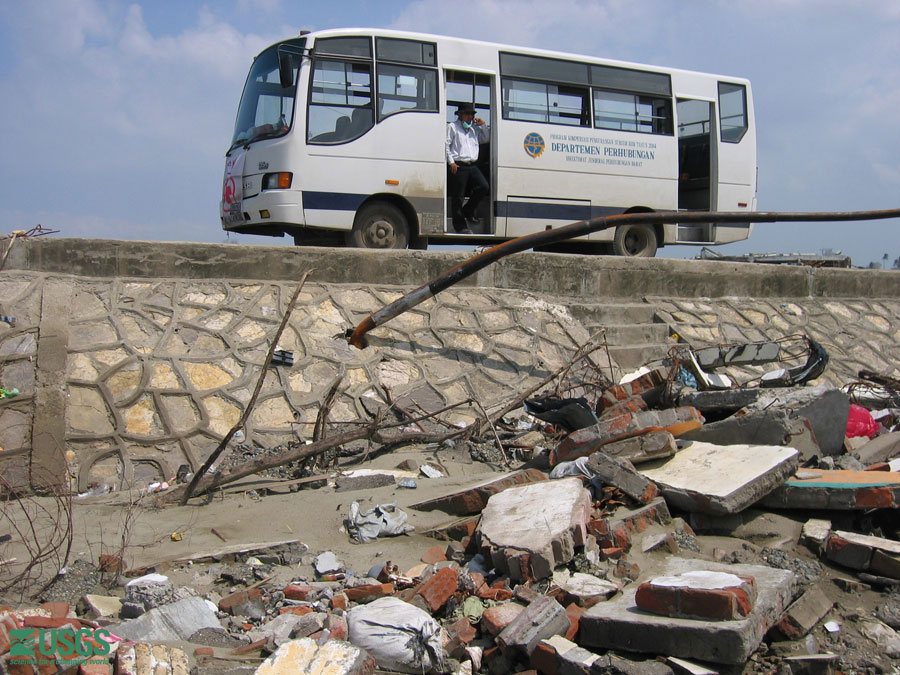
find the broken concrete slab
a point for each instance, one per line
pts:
(541, 619)
(643, 448)
(767, 427)
(307, 656)
(616, 531)
(175, 621)
(802, 616)
(621, 473)
(619, 624)
(719, 400)
(879, 449)
(585, 590)
(530, 529)
(721, 478)
(472, 499)
(138, 659)
(836, 489)
(587, 441)
(824, 406)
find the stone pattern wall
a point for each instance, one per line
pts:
(157, 372)
(857, 333)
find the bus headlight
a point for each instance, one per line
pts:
(277, 181)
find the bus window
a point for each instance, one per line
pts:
(339, 90)
(405, 88)
(544, 102)
(732, 111)
(632, 112)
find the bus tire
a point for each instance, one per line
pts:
(636, 241)
(379, 225)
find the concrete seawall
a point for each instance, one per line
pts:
(133, 358)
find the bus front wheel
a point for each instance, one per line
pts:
(637, 241)
(379, 225)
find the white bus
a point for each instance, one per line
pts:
(340, 136)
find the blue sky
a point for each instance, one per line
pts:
(116, 115)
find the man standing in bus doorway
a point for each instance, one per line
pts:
(463, 139)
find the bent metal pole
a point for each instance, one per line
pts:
(357, 336)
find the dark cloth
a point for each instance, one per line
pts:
(468, 177)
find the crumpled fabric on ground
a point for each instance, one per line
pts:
(383, 520)
(578, 467)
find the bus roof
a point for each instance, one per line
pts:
(387, 32)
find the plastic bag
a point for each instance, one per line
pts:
(860, 422)
(399, 635)
(382, 520)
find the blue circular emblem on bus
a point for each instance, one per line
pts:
(534, 144)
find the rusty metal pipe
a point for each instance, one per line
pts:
(357, 336)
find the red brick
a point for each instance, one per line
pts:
(246, 649)
(227, 603)
(297, 591)
(544, 658)
(357, 593)
(657, 600)
(299, 610)
(437, 590)
(496, 594)
(337, 627)
(613, 552)
(203, 651)
(110, 563)
(874, 498)
(339, 601)
(496, 618)
(56, 609)
(462, 629)
(93, 667)
(477, 580)
(433, 555)
(574, 612)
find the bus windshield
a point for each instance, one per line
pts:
(267, 108)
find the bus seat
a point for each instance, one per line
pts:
(342, 128)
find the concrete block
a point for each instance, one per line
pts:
(802, 616)
(815, 533)
(621, 473)
(146, 659)
(824, 406)
(880, 449)
(699, 594)
(587, 441)
(643, 448)
(559, 655)
(837, 489)
(747, 354)
(334, 657)
(722, 400)
(539, 525)
(542, 619)
(585, 590)
(620, 625)
(721, 478)
(175, 621)
(760, 427)
(473, 499)
(99, 606)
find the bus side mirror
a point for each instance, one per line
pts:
(285, 70)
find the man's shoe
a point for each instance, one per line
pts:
(473, 220)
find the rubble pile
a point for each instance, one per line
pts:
(671, 523)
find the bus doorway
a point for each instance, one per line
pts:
(696, 170)
(466, 87)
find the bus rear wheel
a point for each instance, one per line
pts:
(379, 225)
(636, 241)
